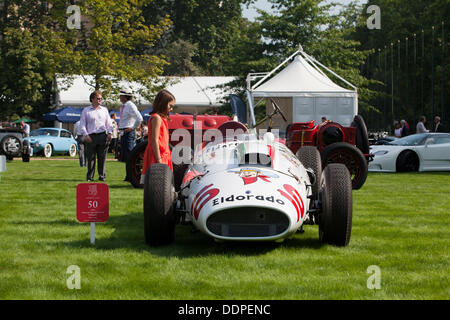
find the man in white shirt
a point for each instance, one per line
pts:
(420, 128)
(26, 128)
(130, 119)
(95, 126)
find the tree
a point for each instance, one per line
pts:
(418, 56)
(211, 25)
(115, 44)
(179, 55)
(31, 51)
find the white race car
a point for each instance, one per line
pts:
(417, 152)
(250, 189)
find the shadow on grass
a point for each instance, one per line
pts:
(52, 180)
(122, 186)
(129, 234)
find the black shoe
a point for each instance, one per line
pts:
(101, 179)
(90, 180)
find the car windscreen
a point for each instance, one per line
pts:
(412, 140)
(44, 132)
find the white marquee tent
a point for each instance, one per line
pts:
(304, 93)
(193, 94)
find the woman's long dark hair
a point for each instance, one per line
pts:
(162, 99)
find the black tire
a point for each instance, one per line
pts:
(159, 205)
(310, 158)
(351, 157)
(135, 163)
(11, 146)
(407, 161)
(335, 218)
(362, 137)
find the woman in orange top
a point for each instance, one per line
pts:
(157, 150)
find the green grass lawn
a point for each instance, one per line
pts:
(401, 224)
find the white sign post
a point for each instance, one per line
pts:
(93, 233)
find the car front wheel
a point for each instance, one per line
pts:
(159, 205)
(335, 218)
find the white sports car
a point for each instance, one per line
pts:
(250, 189)
(417, 152)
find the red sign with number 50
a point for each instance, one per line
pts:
(92, 202)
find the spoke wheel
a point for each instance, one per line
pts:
(11, 146)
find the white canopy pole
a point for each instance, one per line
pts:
(332, 72)
(250, 104)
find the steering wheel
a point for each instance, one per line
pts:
(276, 108)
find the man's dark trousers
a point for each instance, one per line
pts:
(96, 149)
(127, 144)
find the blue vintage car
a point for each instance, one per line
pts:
(48, 141)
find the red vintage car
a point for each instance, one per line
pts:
(188, 122)
(336, 144)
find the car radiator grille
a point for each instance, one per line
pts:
(247, 222)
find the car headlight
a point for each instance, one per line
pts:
(37, 144)
(380, 152)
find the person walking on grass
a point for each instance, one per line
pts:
(95, 126)
(130, 119)
(157, 150)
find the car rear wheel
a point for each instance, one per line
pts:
(159, 205)
(407, 161)
(11, 146)
(362, 137)
(73, 150)
(335, 218)
(48, 150)
(351, 157)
